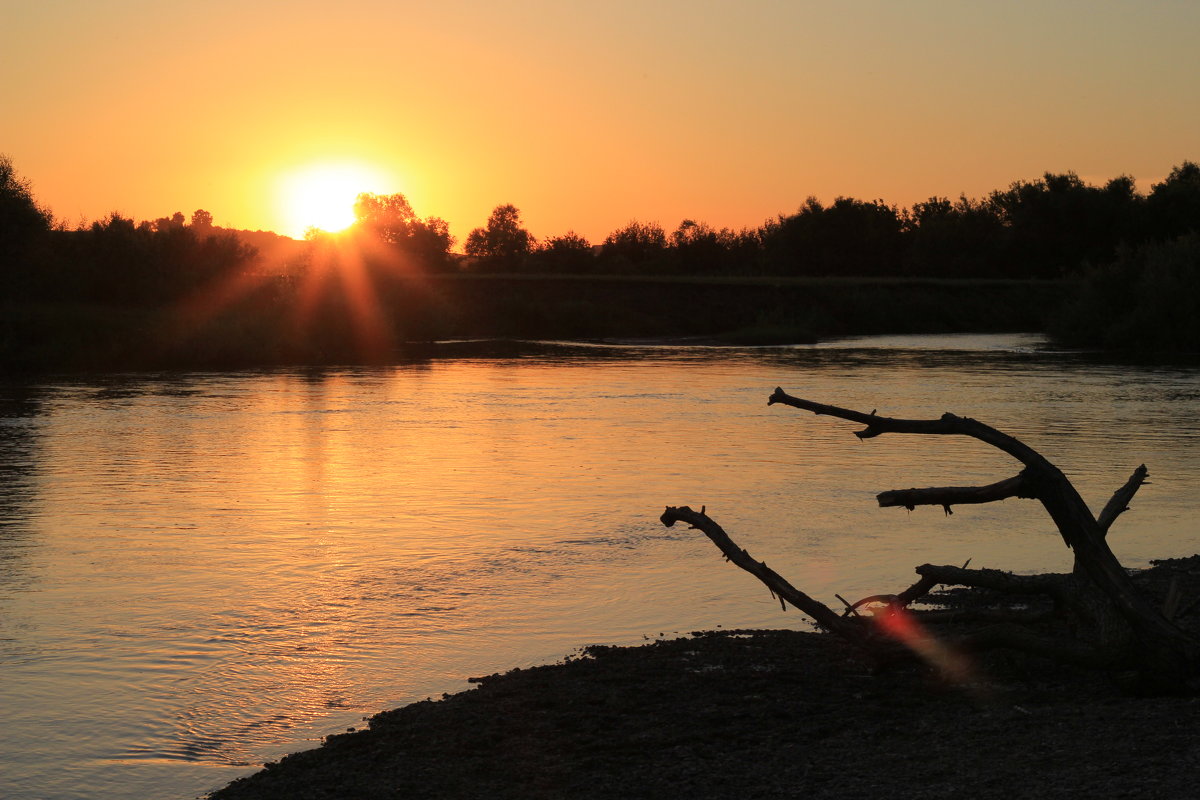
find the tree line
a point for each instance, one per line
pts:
(1131, 246)
(114, 260)
(1049, 228)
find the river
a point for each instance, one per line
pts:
(203, 571)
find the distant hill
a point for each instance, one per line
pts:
(273, 249)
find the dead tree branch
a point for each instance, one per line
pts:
(947, 496)
(1168, 646)
(994, 579)
(1123, 628)
(822, 614)
(1119, 503)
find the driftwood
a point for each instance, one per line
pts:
(1114, 626)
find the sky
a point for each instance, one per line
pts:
(585, 115)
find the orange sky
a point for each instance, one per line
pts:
(587, 115)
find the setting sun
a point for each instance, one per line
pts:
(322, 196)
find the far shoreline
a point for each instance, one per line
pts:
(42, 338)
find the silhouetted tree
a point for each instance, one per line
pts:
(23, 224)
(698, 248)
(119, 261)
(955, 240)
(1146, 299)
(390, 219)
(569, 253)
(430, 241)
(850, 237)
(1121, 208)
(504, 244)
(202, 222)
(386, 217)
(164, 224)
(1173, 207)
(638, 246)
(745, 252)
(1057, 224)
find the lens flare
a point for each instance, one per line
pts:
(899, 624)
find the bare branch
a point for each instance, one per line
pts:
(1005, 582)
(918, 590)
(946, 425)
(909, 595)
(876, 425)
(1119, 503)
(1179, 650)
(947, 496)
(1128, 629)
(821, 613)
(852, 608)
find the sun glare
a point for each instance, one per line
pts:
(322, 196)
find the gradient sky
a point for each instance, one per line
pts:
(587, 115)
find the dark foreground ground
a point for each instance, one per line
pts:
(757, 714)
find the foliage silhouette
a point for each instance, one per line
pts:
(954, 239)
(697, 247)
(1173, 207)
(116, 260)
(24, 226)
(202, 222)
(504, 244)
(1056, 224)
(569, 253)
(1147, 299)
(391, 220)
(849, 237)
(1134, 255)
(636, 247)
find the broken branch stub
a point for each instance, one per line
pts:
(1119, 503)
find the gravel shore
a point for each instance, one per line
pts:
(764, 714)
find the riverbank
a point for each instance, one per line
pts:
(764, 714)
(275, 324)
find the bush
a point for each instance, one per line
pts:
(1148, 299)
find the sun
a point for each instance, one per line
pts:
(322, 196)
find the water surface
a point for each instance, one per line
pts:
(202, 571)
